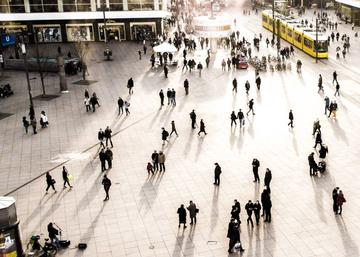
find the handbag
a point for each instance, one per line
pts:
(53, 181)
(197, 210)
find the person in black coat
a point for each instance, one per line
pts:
(65, 175)
(267, 208)
(130, 85)
(101, 136)
(162, 96)
(50, 182)
(291, 118)
(264, 196)
(193, 119)
(267, 179)
(256, 165)
(182, 215)
(186, 86)
(102, 157)
(312, 164)
(257, 208)
(318, 139)
(106, 182)
(107, 135)
(202, 128)
(334, 197)
(121, 105)
(235, 211)
(323, 151)
(217, 173)
(109, 157)
(155, 160)
(258, 82)
(164, 135)
(234, 235)
(53, 232)
(249, 207)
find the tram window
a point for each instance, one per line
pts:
(308, 43)
(322, 46)
(270, 21)
(289, 33)
(282, 29)
(264, 18)
(298, 37)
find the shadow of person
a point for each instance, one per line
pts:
(338, 131)
(189, 142)
(199, 148)
(351, 247)
(214, 210)
(179, 241)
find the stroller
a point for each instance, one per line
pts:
(322, 166)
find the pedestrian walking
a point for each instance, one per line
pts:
(223, 65)
(66, 177)
(166, 71)
(50, 182)
(44, 121)
(256, 165)
(173, 97)
(249, 207)
(267, 209)
(247, 87)
(150, 168)
(241, 118)
(323, 151)
(264, 195)
(202, 128)
(164, 135)
(340, 199)
(101, 136)
(312, 164)
(87, 104)
(234, 235)
(120, 106)
(86, 94)
(169, 96)
(186, 86)
(173, 128)
(257, 208)
(267, 179)
(108, 135)
(337, 89)
(193, 119)
(291, 118)
(130, 86)
(217, 173)
(234, 83)
(192, 212)
(109, 157)
(155, 160)
(235, 211)
(127, 106)
(335, 77)
(327, 105)
(251, 107)
(26, 124)
(200, 67)
(102, 158)
(106, 182)
(318, 139)
(182, 215)
(144, 49)
(162, 161)
(233, 118)
(161, 95)
(320, 82)
(258, 82)
(316, 127)
(33, 124)
(334, 197)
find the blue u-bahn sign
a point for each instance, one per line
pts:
(7, 39)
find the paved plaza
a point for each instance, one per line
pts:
(140, 219)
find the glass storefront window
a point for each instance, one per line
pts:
(116, 5)
(48, 33)
(114, 31)
(76, 5)
(79, 32)
(43, 5)
(138, 5)
(16, 6)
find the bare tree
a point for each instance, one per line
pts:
(82, 49)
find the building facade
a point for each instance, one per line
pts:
(349, 10)
(71, 20)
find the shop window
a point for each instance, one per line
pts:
(79, 32)
(17, 6)
(76, 5)
(48, 33)
(138, 5)
(116, 5)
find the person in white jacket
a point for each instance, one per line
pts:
(44, 122)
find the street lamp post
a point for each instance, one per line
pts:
(23, 50)
(316, 39)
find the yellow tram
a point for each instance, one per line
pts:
(303, 37)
